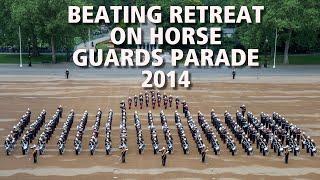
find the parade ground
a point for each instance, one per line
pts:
(292, 91)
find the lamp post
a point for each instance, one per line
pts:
(265, 52)
(29, 53)
(20, 47)
(275, 49)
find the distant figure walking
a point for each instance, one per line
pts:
(233, 74)
(67, 73)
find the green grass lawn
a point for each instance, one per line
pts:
(295, 59)
(15, 59)
(300, 59)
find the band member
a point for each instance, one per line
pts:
(153, 102)
(243, 109)
(129, 102)
(203, 153)
(303, 139)
(164, 153)
(141, 100)
(298, 135)
(177, 102)
(170, 100)
(152, 94)
(283, 135)
(135, 99)
(123, 154)
(122, 105)
(60, 109)
(165, 101)
(35, 154)
(164, 97)
(185, 108)
(286, 154)
(147, 99)
(159, 98)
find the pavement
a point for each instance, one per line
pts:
(292, 73)
(43, 86)
(95, 41)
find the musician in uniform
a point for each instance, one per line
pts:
(286, 154)
(35, 154)
(203, 153)
(123, 154)
(164, 153)
(129, 102)
(135, 99)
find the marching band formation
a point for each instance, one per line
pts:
(93, 143)
(107, 141)
(181, 133)
(46, 135)
(153, 134)
(65, 132)
(267, 133)
(140, 141)
(32, 132)
(16, 132)
(80, 130)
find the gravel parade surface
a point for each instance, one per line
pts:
(293, 93)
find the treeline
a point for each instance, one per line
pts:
(296, 21)
(44, 23)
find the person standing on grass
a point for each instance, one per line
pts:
(67, 73)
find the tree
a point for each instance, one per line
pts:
(45, 21)
(27, 16)
(290, 17)
(6, 25)
(55, 23)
